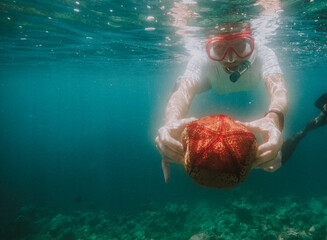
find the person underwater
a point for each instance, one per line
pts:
(231, 62)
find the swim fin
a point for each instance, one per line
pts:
(290, 144)
(321, 101)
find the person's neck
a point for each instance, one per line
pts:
(233, 69)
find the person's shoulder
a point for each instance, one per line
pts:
(265, 53)
(201, 60)
(264, 49)
(199, 57)
(268, 61)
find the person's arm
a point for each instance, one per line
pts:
(271, 125)
(181, 99)
(168, 139)
(278, 106)
(269, 6)
(180, 13)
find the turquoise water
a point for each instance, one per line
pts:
(83, 89)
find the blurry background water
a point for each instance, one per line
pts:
(83, 89)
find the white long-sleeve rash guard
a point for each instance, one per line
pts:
(210, 74)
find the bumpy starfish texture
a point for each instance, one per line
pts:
(219, 152)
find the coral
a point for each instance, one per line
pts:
(244, 218)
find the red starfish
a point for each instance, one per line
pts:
(219, 152)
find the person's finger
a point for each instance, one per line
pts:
(242, 123)
(157, 141)
(265, 164)
(165, 169)
(276, 164)
(171, 154)
(263, 149)
(165, 166)
(272, 165)
(252, 126)
(174, 145)
(168, 135)
(168, 152)
(263, 158)
(179, 160)
(272, 168)
(186, 121)
(182, 124)
(273, 146)
(270, 162)
(166, 140)
(166, 145)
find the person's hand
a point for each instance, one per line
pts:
(169, 145)
(268, 155)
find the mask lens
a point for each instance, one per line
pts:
(217, 49)
(242, 46)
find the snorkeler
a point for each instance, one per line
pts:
(232, 63)
(290, 144)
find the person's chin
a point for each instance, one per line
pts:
(234, 65)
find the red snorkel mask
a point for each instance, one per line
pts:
(241, 43)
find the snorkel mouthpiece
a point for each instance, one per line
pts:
(236, 75)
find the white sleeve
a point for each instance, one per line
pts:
(269, 60)
(196, 69)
